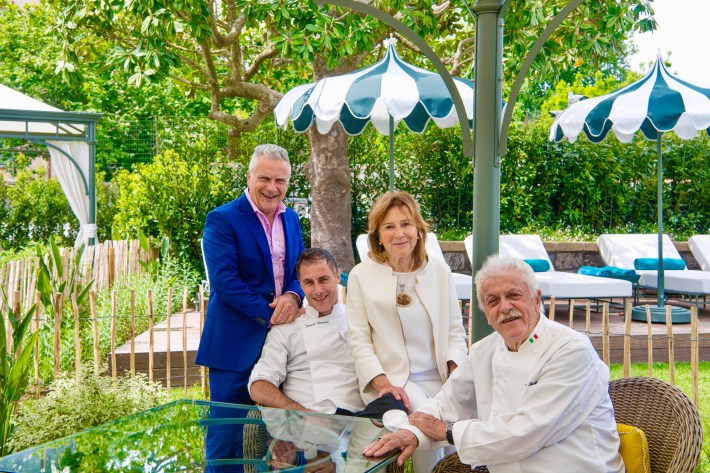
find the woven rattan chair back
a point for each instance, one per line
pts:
(669, 419)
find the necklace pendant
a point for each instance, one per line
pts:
(403, 300)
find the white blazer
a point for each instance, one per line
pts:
(375, 330)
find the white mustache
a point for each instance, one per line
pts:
(510, 315)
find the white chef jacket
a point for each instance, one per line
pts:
(310, 360)
(545, 407)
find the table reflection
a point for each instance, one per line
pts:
(176, 437)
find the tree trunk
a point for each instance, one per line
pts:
(328, 173)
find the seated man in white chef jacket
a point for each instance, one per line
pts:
(531, 397)
(306, 365)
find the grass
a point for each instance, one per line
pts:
(684, 382)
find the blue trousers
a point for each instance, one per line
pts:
(225, 442)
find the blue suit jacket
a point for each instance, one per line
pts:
(241, 279)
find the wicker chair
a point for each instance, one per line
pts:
(669, 419)
(671, 423)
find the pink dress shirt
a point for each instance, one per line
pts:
(277, 242)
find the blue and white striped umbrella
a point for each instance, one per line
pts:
(657, 104)
(390, 88)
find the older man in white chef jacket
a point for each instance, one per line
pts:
(309, 358)
(531, 397)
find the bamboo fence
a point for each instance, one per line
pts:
(104, 263)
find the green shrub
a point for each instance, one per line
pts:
(37, 209)
(75, 404)
(15, 366)
(171, 197)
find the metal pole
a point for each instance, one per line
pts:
(661, 275)
(391, 154)
(91, 139)
(486, 132)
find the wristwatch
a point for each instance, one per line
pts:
(450, 433)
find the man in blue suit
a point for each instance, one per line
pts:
(251, 245)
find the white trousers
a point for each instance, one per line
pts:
(418, 392)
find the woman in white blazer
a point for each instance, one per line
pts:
(405, 328)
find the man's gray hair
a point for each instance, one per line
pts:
(495, 265)
(269, 151)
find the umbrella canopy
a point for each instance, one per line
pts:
(656, 104)
(384, 94)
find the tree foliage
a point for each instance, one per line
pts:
(171, 197)
(243, 54)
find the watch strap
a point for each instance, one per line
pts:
(450, 433)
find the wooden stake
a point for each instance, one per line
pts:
(151, 334)
(110, 265)
(77, 336)
(627, 339)
(57, 331)
(114, 314)
(650, 340)
(95, 330)
(38, 301)
(605, 333)
(694, 355)
(203, 370)
(168, 352)
(184, 340)
(671, 354)
(132, 333)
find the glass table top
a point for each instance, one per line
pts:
(192, 436)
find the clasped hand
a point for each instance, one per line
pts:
(405, 440)
(285, 309)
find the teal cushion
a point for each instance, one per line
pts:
(614, 271)
(610, 272)
(594, 271)
(652, 263)
(538, 265)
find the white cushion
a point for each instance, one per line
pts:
(700, 247)
(564, 285)
(462, 282)
(523, 247)
(621, 250)
(683, 281)
(554, 283)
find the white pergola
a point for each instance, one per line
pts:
(71, 140)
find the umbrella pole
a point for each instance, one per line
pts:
(391, 154)
(661, 275)
(658, 312)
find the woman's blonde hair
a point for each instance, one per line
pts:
(377, 216)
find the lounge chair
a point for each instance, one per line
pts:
(559, 284)
(463, 282)
(700, 247)
(621, 250)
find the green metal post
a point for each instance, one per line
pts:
(661, 275)
(486, 162)
(91, 139)
(391, 153)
